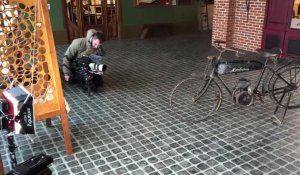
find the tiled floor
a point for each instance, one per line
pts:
(128, 127)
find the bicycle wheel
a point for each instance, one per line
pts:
(285, 87)
(195, 100)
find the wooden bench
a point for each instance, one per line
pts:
(163, 29)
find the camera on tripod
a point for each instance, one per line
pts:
(90, 63)
(17, 117)
(88, 71)
(16, 107)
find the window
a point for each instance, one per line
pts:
(162, 2)
(184, 2)
(295, 23)
(152, 2)
(210, 1)
(92, 12)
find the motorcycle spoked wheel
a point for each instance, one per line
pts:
(195, 100)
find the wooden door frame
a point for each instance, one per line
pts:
(284, 30)
(65, 19)
(119, 16)
(69, 24)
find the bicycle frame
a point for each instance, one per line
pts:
(257, 83)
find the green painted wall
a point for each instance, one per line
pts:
(56, 16)
(132, 15)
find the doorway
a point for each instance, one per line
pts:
(82, 15)
(282, 26)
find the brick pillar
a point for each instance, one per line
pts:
(248, 26)
(222, 21)
(230, 23)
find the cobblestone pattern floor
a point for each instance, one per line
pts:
(127, 127)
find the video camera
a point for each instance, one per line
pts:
(86, 68)
(89, 64)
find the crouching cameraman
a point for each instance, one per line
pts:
(81, 48)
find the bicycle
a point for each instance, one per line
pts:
(201, 95)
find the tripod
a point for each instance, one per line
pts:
(7, 122)
(36, 165)
(11, 143)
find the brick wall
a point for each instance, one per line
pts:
(230, 23)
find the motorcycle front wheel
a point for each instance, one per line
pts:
(195, 100)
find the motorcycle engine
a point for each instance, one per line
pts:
(242, 94)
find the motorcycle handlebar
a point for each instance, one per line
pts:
(218, 46)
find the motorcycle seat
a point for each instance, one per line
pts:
(266, 53)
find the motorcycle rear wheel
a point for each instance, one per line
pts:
(285, 87)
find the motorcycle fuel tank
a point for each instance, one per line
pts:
(237, 66)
